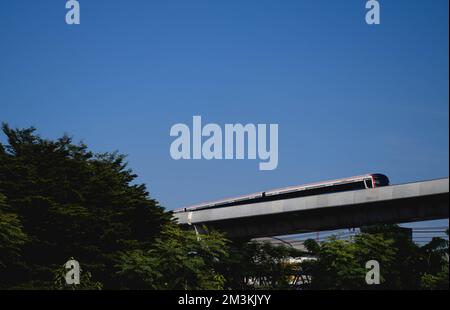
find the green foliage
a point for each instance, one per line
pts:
(405, 271)
(177, 260)
(261, 265)
(12, 237)
(71, 202)
(434, 265)
(436, 282)
(340, 264)
(86, 280)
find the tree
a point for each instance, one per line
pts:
(340, 264)
(438, 281)
(405, 270)
(178, 260)
(86, 280)
(434, 264)
(71, 202)
(12, 239)
(260, 265)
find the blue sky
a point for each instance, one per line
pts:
(349, 98)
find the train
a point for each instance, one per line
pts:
(364, 181)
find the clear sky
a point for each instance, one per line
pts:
(349, 98)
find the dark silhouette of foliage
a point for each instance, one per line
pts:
(261, 265)
(71, 202)
(340, 264)
(178, 260)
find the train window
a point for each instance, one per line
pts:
(368, 183)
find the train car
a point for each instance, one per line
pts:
(332, 186)
(224, 202)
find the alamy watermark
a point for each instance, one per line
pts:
(73, 13)
(236, 141)
(373, 275)
(373, 13)
(73, 274)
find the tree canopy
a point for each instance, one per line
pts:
(60, 200)
(341, 264)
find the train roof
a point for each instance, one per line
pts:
(279, 191)
(289, 189)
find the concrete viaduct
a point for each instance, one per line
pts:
(418, 201)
